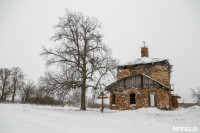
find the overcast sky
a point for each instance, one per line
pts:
(171, 29)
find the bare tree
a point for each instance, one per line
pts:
(58, 84)
(5, 75)
(17, 80)
(74, 97)
(81, 50)
(196, 94)
(28, 91)
(62, 95)
(95, 93)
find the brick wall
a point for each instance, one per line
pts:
(142, 97)
(161, 74)
(123, 73)
(175, 103)
(144, 52)
(157, 72)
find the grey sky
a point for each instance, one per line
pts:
(171, 29)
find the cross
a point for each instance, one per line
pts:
(102, 96)
(144, 43)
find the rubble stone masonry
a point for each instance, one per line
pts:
(175, 103)
(157, 72)
(142, 97)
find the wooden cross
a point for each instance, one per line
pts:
(102, 96)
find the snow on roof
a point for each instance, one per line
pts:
(175, 95)
(143, 60)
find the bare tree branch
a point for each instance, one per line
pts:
(81, 51)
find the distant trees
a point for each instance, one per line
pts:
(5, 86)
(49, 90)
(196, 94)
(56, 84)
(28, 91)
(11, 81)
(84, 59)
(17, 81)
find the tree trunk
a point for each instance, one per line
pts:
(14, 91)
(2, 93)
(3, 89)
(83, 89)
(84, 78)
(13, 96)
(26, 96)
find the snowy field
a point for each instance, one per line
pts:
(25, 118)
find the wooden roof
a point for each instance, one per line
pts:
(136, 81)
(174, 95)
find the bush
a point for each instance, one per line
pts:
(96, 105)
(46, 100)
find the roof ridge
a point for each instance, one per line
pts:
(144, 60)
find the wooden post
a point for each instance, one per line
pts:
(102, 96)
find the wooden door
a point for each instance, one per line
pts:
(152, 100)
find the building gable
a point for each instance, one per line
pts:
(135, 81)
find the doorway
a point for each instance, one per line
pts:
(152, 99)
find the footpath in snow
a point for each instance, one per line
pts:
(26, 118)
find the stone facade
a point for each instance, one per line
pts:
(157, 72)
(175, 103)
(142, 97)
(161, 74)
(123, 73)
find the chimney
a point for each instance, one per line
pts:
(144, 51)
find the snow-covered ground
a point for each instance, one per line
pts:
(25, 118)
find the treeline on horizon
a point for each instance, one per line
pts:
(16, 87)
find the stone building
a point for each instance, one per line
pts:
(145, 82)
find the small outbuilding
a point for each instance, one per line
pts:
(174, 100)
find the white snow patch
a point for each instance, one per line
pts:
(144, 60)
(25, 118)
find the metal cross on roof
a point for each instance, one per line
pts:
(144, 43)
